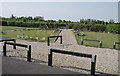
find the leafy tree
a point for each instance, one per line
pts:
(111, 21)
(38, 18)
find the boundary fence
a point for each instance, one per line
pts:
(20, 45)
(93, 57)
(14, 40)
(91, 40)
(48, 41)
(114, 44)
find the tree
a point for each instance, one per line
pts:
(111, 21)
(29, 18)
(38, 18)
(12, 16)
(59, 20)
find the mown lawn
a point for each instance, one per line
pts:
(107, 39)
(33, 34)
(3, 28)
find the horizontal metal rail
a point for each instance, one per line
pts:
(72, 53)
(7, 40)
(17, 44)
(54, 36)
(14, 47)
(92, 56)
(48, 40)
(91, 40)
(20, 45)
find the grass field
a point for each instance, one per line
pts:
(36, 34)
(3, 28)
(33, 34)
(106, 38)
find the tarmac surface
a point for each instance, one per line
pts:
(119, 63)
(16, 67)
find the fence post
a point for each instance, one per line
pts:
(61, 40)
(81, 41)
(49, 57)
(14, 47)
(114, 45)
(4, 49)
(93, 64)
(100, 43)
(29, 54)
(48, 42)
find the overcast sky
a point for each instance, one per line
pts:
(73, 11)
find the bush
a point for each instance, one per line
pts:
(113, 28)
(80, 33)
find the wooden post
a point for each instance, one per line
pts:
(61, 40)
(93, 64)
(48, 42)
(4, 49)
(81, 41)
(29, 54)
(49, 57)
(14, 47)
(100, 43)
(114, 45)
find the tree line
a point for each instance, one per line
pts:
(82, 25)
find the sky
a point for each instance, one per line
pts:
(73, 11)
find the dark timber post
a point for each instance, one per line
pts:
(81, 41)
(14, 47)
(48, 42)
(114, 45)
(61, 40)
(100, 43)
(4, 49)
(93, 64)
(49, 57)
(29, 54)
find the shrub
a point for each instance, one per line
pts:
(80, 33)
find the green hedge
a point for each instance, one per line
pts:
(113, 28)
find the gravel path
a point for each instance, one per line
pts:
(107, 59)
(68, 37)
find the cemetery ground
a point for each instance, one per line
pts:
(107, 59)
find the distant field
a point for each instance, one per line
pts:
(107, 39)
(3, 28)
(33, 34)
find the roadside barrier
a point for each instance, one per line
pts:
(48, 41)
(14, 47)
(114, 44)
(91, 40)
(92, 56)
(20, 45)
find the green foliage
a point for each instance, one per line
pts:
(81, 34)
(83, 25)
(113, 28)
(33, 34)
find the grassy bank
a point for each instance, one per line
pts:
(107, 38)
(33, 34)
